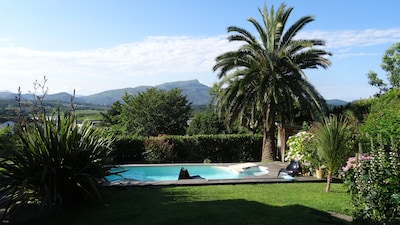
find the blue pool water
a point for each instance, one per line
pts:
(171, 172)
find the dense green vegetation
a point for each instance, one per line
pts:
(151, 113)
(383, 119)
(175, 148)
(291, 203)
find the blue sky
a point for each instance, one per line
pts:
(97, 45)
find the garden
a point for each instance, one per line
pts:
(53, 170)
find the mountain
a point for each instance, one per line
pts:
(196, 92)
(336, 102)
(7, 95)
(109, 97)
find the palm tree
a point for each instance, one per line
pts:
(333, 136)
(266, 73)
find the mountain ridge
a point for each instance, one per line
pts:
(196, 92)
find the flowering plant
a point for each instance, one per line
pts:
(374, 184)
(303, 149)
(349, 170)
(355, 161)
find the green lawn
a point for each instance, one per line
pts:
(290, 203)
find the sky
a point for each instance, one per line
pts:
(92, 46)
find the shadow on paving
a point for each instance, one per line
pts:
(143, 207)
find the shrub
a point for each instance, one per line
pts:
(59, 163)
(374, 184)
(302, 148)
(383, 119)
(158, 150)
(8, 141)
(197, 148)
(129, 149)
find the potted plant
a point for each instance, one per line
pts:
(316, 162)
(320, 171)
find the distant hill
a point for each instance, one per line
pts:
(336, 102)
(196, 92)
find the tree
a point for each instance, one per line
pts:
(266, 73)
(383, 119)
(205, 122)
(391, 65)
(155, 112)
(333, 137)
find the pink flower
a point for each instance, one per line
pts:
(352, 161)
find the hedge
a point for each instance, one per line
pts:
(194, 149)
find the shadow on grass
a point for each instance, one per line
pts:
(157, 206)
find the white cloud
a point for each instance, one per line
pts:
(154, 57)
(354, 38)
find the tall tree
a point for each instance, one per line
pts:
(155, 112)
(266, 73)
(391, 65)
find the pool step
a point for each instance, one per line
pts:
(242, 166)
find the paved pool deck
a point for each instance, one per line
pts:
(271, 177)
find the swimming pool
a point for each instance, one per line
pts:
(171, 172)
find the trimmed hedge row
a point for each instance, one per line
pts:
(198, 148)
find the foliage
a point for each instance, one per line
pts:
(391, 65)
(205, 122)
(155, 112)
(58, 163)
(348, 172)
(129, 149)
(374, 184)
(159, 150)
(359, 109)
(256, 204)
(333, 137)
(196, 148)
(302, 148)
(8, 141)
(383, 119)
(264, 77)
(111, 117)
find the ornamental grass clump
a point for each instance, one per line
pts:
(333, 137)
(58, 163)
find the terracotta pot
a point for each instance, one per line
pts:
(320, 173)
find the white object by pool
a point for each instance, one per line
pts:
(171, 172)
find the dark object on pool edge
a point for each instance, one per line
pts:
(184, 174)
(292, 169)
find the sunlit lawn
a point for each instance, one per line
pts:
(290, 203)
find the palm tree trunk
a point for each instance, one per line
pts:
(268, 148)
(328, 181)
(269, 145)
